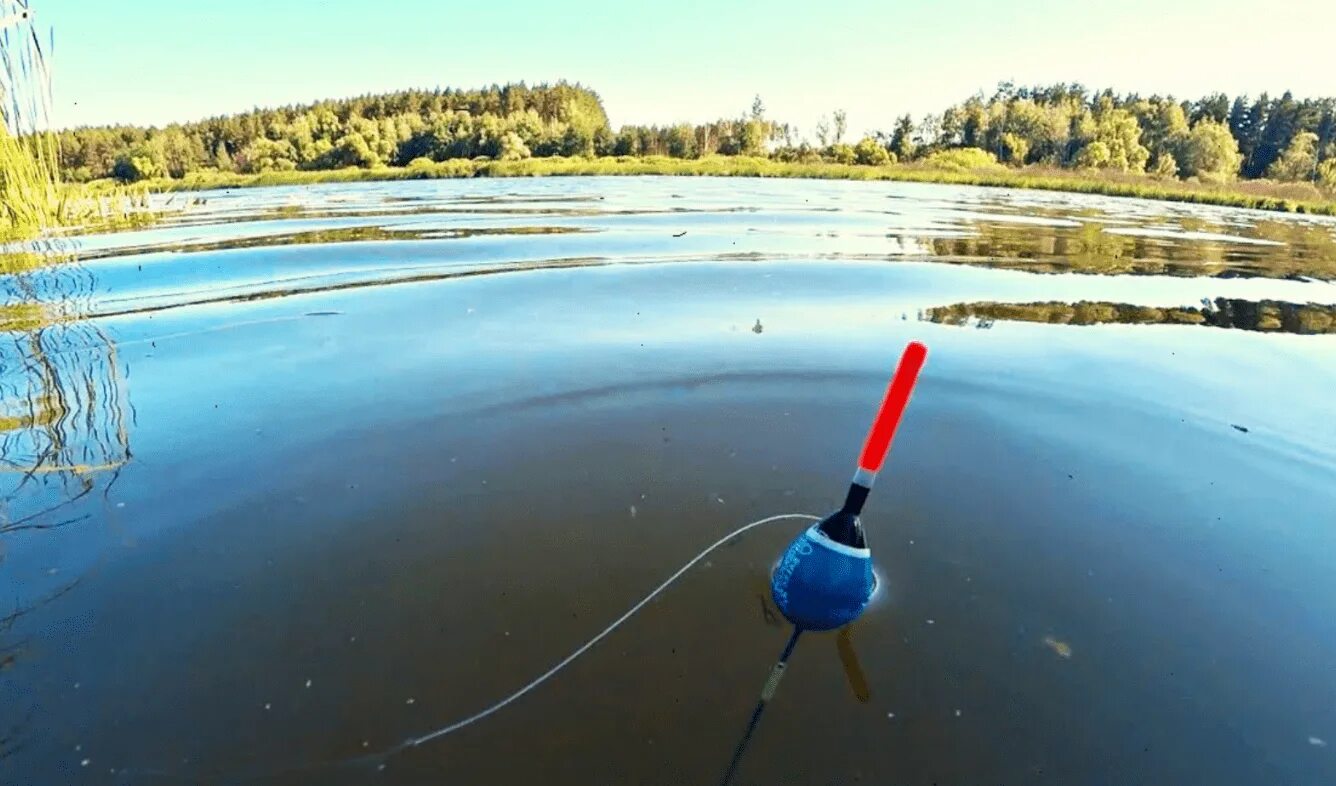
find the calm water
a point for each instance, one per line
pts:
(301, 473)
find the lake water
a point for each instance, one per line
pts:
(300, 473)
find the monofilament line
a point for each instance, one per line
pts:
(545, 676)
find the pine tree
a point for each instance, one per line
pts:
(1238, 119)
(1248, 144)
(1281, 126)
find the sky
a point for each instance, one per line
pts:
(160, 61)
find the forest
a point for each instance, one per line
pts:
(1214, 139)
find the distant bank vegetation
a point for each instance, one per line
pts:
(1286, 144)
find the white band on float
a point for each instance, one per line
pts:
(819, 537)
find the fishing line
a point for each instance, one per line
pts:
(441, 732)
(825, 578)
(422, 739)
(823, 581)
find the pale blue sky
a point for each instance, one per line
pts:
(157, 61)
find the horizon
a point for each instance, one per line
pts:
(111, 67)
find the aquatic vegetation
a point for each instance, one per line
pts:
(1263, 316)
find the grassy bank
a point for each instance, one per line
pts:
(1259, 195)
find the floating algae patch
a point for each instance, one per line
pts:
(1060, 648)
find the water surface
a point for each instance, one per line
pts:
(299, 473)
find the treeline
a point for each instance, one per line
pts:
(514, 121)
(1214, 139)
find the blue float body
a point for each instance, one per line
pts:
(820, 584)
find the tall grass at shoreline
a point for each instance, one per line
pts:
(33, 198)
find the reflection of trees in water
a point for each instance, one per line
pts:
(1265, 315)
(61, 412)
(360, 233)
(1301, 249)
(63, 428)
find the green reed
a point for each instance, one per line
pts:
(33, 198)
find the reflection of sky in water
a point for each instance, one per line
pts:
(249, 243)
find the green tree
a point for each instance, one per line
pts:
(1164, 127)
(1210, 153)
(1326, 174)
(221, 158)
(1093, 156)
(1239, 120)
(1298, 162)
(1282, 123)
(869, 151)
(1013, 149)
(353, 150)
(1164, 165)
(902, 138)
(1213, 107)
(841, 125)
(181, 152)
(842, 154)
(1326, 129)
(513, 147)
(1120, 134)
(577, 141)
(974, 125)
(140, 163)
(755, 131)
(681, 141)
(268, 155)
(1250, 139)
(627, 143)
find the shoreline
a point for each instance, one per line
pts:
(1031, 178)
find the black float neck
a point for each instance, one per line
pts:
(844, 526)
